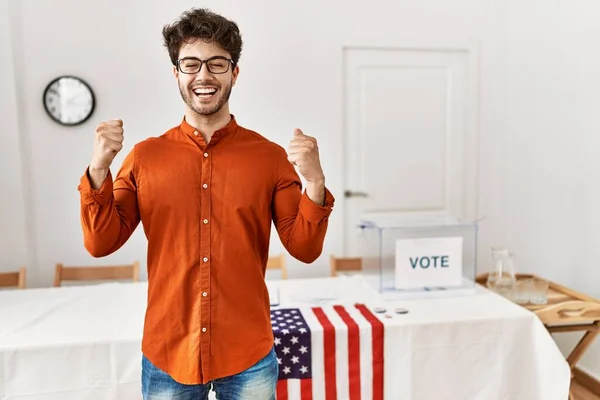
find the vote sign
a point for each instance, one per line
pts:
(429, 262)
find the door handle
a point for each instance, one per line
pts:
(350, 193)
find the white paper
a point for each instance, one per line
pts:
(429, 262)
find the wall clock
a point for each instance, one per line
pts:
(69, 100)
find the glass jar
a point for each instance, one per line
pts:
(501, 278)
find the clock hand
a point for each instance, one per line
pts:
(73, 99)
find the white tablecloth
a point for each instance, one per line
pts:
(84, 343)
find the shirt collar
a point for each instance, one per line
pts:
(195, 133)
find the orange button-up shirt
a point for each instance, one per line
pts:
(206, 211)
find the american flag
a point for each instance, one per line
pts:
(333, 352)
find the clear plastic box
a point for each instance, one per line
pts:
(379, 252)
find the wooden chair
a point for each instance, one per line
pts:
(111, 272)
(278, 262)
(344, 264)
(14, 279)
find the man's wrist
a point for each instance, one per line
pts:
(316, 191)
(97, 176)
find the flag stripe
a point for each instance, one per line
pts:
(353, 353)
(306, 389)
(318, 354)
(366, 353)
(377, 331)
(282, 389)
(294, 389)
(341, 353)
(329, 347)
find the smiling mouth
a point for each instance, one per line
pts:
(205, 93)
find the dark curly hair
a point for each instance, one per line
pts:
(200, 23)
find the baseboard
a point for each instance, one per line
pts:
(585, 379)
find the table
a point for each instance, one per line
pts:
(567, 310)
(84, 343)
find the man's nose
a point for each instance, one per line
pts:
(204, 73)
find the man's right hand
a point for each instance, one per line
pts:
(107, 143)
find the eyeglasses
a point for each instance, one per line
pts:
(215, 65)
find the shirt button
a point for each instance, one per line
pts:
(203, 329)
(205, 154)
(204, 294)
(205, 259)
(205, 186)
(196, 133)
(205, 221)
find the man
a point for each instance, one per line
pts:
(206, 193)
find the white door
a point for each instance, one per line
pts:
(410, 136)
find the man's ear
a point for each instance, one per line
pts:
(235, 74)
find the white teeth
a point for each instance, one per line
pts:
(205, 91)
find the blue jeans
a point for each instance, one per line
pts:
(256, 383)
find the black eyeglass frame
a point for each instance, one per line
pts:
(202, 62)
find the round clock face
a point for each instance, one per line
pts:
(68, 100)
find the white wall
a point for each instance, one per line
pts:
(540, 170)
(538, 125)
(13, 220)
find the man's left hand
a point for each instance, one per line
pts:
(303, 152)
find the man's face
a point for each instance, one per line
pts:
(204, 92)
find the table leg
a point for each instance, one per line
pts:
(581, 348)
